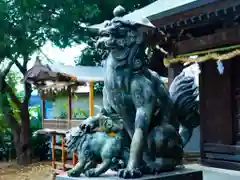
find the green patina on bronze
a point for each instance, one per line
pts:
(157, 122)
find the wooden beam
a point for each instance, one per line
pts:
(91, 98)
(223, 37)
(221, 149)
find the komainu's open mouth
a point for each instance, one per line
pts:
(104, 34)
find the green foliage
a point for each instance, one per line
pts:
(12, 79)
(3, 103)
(35, 117)
(79, 112)
(60, 108)
(27, 24)
(6, 146)
(39, 143)
(64, 19)
(21, 29)
(64, 22)
(3, 124)
(91, 55)
(21, 35)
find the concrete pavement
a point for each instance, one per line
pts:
(215, 173)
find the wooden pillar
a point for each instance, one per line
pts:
(74, 158)
(202, 109)
(43, 102)
(173, 70)
(53, 151)
(91, 98)
(63, 153)
(69, 107)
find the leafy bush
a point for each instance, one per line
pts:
(40, 146)
(7, 150)
(39, 143)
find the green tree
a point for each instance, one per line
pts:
(21, 35)
(25, 27)
(65, 21)
(13, 80)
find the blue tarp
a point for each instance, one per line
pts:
(36, 100)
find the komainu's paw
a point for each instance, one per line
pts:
(152, 168)
(90, 173)
(72, 173)
(86, 127)
(129, 173)
(157, 167)
(117, 164)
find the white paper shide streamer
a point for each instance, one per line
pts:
(220, 67)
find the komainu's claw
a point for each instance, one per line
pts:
(72, 173)
(86, 127)
(129, 173)
(90, 173)
(166, 164)
(152, 168)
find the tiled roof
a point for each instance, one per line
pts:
(161, 8)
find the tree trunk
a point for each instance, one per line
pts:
(20, 130)
(22, 146)
(22, 139)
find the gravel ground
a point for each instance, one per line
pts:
(35, 171)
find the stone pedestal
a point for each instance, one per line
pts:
(178, 174)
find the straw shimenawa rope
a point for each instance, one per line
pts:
(210, 56)
(213, 56)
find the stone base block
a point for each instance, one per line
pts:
(178, 174)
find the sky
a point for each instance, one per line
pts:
(65, 56)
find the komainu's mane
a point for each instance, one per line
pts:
(75, 138)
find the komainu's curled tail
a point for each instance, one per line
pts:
(184, 94)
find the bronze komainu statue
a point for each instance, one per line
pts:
(97, 150)
(157, 123)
